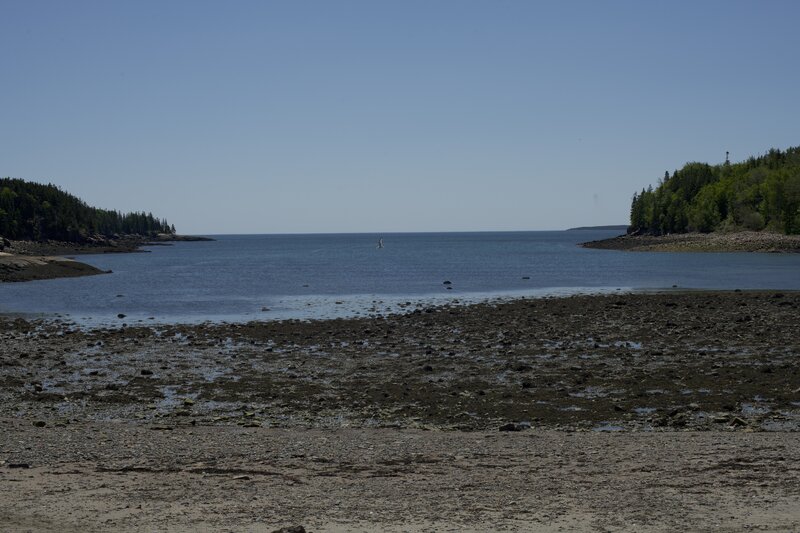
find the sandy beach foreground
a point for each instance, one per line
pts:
(119, 476)
(671, 411)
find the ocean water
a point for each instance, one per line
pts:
(246, 277)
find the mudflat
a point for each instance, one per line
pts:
(622, 412)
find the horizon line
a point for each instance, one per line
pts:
(587, 228)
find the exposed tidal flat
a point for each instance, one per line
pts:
(641, 411)
(448, 382)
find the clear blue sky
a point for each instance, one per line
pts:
(377, 116)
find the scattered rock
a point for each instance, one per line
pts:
(515, 426)
(291, 529)
(121, 315)
(40, 424)
(146, 372)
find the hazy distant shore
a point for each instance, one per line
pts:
(744, 241)
(614, 227)
(497, 400)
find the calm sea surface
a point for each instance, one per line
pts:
(244, 277)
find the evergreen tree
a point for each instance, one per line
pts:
(759, 193)
(33, 211)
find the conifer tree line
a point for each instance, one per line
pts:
(33, 211)
(761, 193)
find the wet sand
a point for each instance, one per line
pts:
(625, 412)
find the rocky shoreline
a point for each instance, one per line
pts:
(37, 260)
(705, 360)
(15, 268)
(743, 241)
(451, 396)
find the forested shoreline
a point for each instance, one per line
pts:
(760, 193)
(34, 211)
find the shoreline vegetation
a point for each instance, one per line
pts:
(39, 224)
(751, 206)
(292, 423)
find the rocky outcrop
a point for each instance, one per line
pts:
(27, 268)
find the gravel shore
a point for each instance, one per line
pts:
(743, 241)
(625, 412)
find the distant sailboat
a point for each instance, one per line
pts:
(380, 242)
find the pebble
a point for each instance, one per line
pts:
(515, 426)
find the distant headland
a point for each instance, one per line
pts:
(617, 227)
(39, 223)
